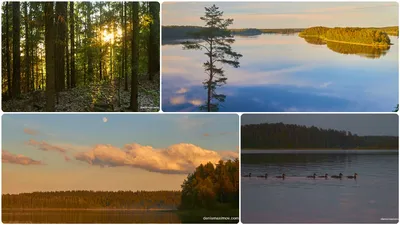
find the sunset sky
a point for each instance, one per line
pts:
(286, 14)
(111, 152)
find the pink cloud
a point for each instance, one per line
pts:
(44, 146)
(177, 159)
(31, 131)
(8, 157)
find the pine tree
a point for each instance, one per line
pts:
(217, 40)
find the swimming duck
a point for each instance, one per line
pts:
(247, 175)
(353, 177)
(326, 176)
(313, 176)
(283, 176)
(336, 176)
(263, 176)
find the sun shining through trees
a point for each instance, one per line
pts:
(102, 52)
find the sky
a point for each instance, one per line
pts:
(111, 152)
(286, 14)
(360, 124)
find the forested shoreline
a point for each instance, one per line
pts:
(93, 200)
(292, 136)
(209, 187)
(351, 35)
(80, 56)
(184, 32)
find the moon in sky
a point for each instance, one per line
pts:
(105, 119)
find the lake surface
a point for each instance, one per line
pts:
(287, 73)
(372, 196)
(91, 216)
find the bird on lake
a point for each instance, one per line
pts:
(338, 177)
(283, 176)
(263, 176)
(353, 177)
(326, 176)
(313, 176)
(247, 175)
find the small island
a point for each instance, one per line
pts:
(349, 35)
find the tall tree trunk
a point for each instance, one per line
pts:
(135, 56)
(101, 43)
(72, 32)
(16, 84)
(209, 91)
(125, 60)
(154, 41)
(61, 11)
(67, 49)
(89, 37)
(9, 87)
(27, 52)
(50, 62)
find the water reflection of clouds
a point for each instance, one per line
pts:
(284, 73)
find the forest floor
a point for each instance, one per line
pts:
(97, 97)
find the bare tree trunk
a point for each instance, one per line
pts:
(27, 52)
(135, 56)
(50, 62)
(67, 49)
(16, 84)
(61, 12)
(154, 41)
(9, 87)
(72, 32)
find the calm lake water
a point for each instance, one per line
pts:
(118, 216)
(95, 216)
(287, 73)
(372, 196)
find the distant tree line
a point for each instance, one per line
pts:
(93, 199)
(208, 187)
(367, 36)
(291, 136)
(212, 187)
(184, 32)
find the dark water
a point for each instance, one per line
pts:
(76, 216)
(118, 216)
(287, 73)
(372, 196)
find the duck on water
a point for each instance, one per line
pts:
(263, 176)
(313, 176)
(325, 176)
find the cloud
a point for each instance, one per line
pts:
(66, 158)
(44, 146)
(196, 102)
(182, 91)
(176, 159)
(325, 85)
(31, 131)
(177, 100)
(8, 157)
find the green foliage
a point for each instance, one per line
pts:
(290, 136)
(212, 187)
(93, 200)
(355, 35)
